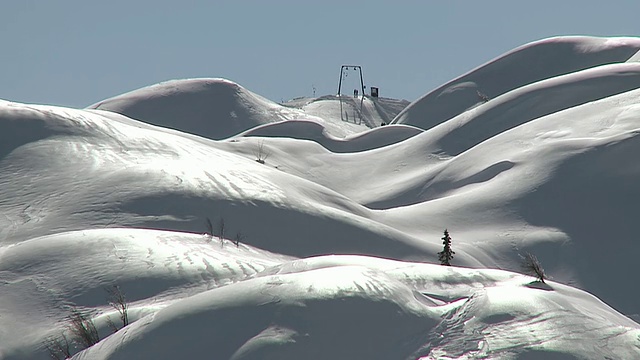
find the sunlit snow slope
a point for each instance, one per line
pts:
(327, 247)
(527, 64)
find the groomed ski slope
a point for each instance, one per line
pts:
(340, 226)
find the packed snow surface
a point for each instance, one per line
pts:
(239, 228)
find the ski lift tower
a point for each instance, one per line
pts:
(343, 72)
(344, 69)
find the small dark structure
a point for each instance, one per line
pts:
(374, 92)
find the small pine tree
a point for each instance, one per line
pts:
(446, 255)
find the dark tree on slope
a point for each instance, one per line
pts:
(446, 255)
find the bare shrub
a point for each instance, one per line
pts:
(117, 300)
(261, 153)
(238, 239)
(83, 329)
(220, 228)
(531, 266)
(209, 228)
(484, 98)
(59, 348)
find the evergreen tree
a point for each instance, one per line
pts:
(446, 254)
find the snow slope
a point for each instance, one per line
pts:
(91, 198)
(533, 62)
(144, 176)
(219, 108)
(362, 110)
(308, 130)
(292, 312)
(213, 108)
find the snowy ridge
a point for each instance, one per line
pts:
(339, 227)
(43, 276)
(527, 64)
(293, 313)
(537, 100)
(308, 130)
(213, 108)
(187, 179)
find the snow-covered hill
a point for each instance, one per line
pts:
(213, 108)
(337, 228)
(527, 64)
(219, 108)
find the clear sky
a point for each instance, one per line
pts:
(78, 52)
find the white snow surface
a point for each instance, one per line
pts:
(340, 227)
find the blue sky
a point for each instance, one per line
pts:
(75, 53)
